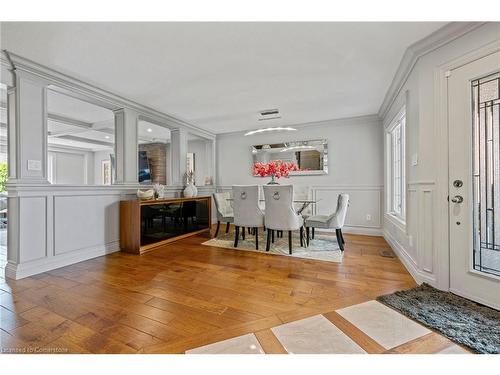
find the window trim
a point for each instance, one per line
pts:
(398, 121)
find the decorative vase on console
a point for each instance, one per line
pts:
(159, 190)
(273, 181)
(190, 190)
(274, 169)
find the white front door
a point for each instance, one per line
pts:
(474, 180)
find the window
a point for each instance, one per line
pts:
(396, 166)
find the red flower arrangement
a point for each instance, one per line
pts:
(274, 169)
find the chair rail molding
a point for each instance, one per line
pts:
(439, 38)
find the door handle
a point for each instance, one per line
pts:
(457, 199)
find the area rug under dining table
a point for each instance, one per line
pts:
(322, 247)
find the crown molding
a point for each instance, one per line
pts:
(413, 53)
(16, 63)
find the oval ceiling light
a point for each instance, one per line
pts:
(150, 130)
(264, 130)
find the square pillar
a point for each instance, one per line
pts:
(27, 129)
(126, 146)
(178, 155)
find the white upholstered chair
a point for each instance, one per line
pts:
(334, 221)
(224, 210)
(247, 213)
(280, 213)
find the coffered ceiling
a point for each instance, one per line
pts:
(218, 76)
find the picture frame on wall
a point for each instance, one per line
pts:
(106, 172)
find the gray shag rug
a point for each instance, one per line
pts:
(461, 320)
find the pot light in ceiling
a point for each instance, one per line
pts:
(265, 130)
(107, 137)
(150, 130)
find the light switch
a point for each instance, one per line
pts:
(34, 165)
(414, 159)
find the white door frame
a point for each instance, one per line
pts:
(441, 74)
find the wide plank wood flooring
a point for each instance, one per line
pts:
(186, 295)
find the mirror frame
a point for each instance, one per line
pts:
(323, 171)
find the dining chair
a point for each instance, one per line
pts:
(224, 210)
(280, 213)
(247, 213)
(335, 220)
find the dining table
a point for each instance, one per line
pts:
(304, 202)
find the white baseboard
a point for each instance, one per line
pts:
(410, 265)
(22, 270)
(365, 231)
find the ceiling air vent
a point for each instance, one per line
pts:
(269, 114)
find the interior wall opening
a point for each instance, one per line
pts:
(81, 141)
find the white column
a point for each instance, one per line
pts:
(126, 146)
(210, 155)
(178, 154)
(27, 124)
(27, 133)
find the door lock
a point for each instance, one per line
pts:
(458, 183)
(457, 199)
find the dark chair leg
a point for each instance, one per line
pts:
(307, 235)
(342, 236)
(268, 244)
(256, 239)
(313, 234)
(339, 239)
(227, 227)
(301, 236)
(272, 236)
(217, 230)
(236, 235)
(290, 242)
(243, 233)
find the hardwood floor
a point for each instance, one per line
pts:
(186, 295)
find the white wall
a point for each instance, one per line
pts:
(99, 156)
(71, 167)
(201, 160)
(421, 243)
(355, 162)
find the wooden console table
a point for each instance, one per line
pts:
(145, 225)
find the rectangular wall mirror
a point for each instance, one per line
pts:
(310, 156)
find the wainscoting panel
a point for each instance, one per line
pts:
(427, 232)
(363, 200)
(85, 221)
(32, 228)
(364, 204)
(414, 242)
(63, 225)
